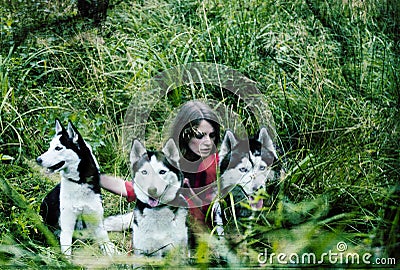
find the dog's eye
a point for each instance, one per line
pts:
(58, 148)
(162, 172)
(144, 172)
(243, 169)
(262, 168)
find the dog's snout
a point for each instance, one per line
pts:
(39, 160)
(152, 191)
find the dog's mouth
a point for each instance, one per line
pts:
(255, 204)
(56, 167)
(153, 202)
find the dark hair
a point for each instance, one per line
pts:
(188, 118)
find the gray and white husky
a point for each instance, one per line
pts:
(160, 213)
(159, 217)
(246, 169)
(77, 197)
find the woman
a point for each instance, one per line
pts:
(196, 133)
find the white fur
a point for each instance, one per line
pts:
(79, 200)
(159, 230)
(119, 223)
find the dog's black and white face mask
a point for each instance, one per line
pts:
(66, 151)
(156, 175)
(247, 163)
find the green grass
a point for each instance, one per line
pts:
(329, 74)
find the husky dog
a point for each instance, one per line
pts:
(246, 169)
(77, 197)
(160, 212)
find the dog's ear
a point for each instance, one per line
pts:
(73, 133)
(268, 152)
(171, 152)
(59, 127)
(137, 151)
(228, 143)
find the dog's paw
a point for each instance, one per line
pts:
(119, 223)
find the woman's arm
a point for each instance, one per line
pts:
(113, 184)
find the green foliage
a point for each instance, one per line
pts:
(330, 73)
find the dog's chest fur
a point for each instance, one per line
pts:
(157, 230)
(80, 198)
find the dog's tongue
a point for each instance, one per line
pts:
(153, 202)
(256, 205)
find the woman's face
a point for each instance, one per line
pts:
(202, 142)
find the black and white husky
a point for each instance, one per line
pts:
(246, 169)
(160, 212)
(77, 197)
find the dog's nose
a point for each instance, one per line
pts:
(39, 160)
(152, 191)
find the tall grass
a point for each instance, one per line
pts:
(330, 74)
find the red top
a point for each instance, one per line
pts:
(202, 186)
